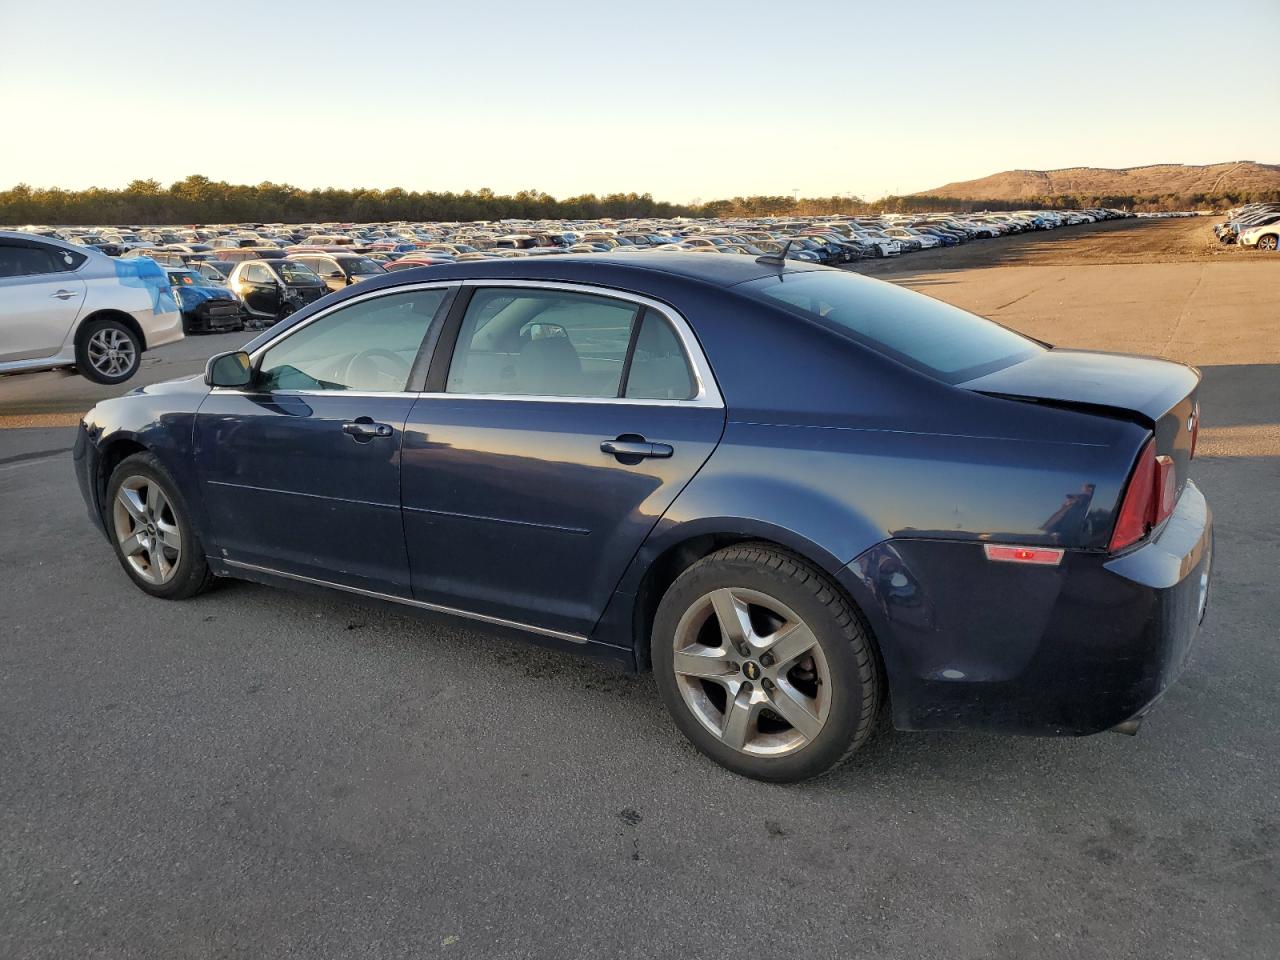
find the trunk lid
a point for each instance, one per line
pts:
(1159, 394)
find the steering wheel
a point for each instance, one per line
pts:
(398, 375)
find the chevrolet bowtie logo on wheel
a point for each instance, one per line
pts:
(751, 669)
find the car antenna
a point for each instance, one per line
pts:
(779, 257)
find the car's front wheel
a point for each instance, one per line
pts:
(107, 351)
(151, 530)
(764, 664)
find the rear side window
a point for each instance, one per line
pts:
(542, 343)
(936, 338)
(23, 259)
(659, 369)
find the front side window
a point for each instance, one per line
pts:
(542, 343)
(368, 346)
(936, 338)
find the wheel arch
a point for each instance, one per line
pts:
(110, 313)
(664, 559)
(111, 454)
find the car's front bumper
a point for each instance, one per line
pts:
(971, 644)
(215, 315)
(84, 460)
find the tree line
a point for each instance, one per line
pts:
(197, 199)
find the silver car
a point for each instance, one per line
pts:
(63, 305)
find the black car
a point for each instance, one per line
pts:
(272, 289)
(340, 270)
(791, 491)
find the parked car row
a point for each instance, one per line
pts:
(1253, 225)
(272, 270)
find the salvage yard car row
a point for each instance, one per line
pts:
(1252, 225)
(97, 298)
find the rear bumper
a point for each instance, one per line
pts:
(969, 644)
(161, 328)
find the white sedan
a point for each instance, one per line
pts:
(63, 305)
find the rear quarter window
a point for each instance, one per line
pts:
(945, 342)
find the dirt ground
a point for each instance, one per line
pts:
(1113, 241)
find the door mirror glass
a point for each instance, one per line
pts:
(229, 370)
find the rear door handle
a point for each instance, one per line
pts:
(63, 294)
(637, 448)
(363, 429)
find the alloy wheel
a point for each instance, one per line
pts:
(111, 352)
(752, 672)
(147, 529)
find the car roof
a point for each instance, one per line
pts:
(721, 270)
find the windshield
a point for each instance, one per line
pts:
(294, 272)
(182, 278)
(936, 338)
(364, 267)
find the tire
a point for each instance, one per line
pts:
(152, 534)
(107, 351)
(789, 606)
(1267, 242)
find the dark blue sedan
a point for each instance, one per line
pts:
(793, 492)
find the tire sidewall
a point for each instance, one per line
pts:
(192, 568)
(86, 368)
(848, 689)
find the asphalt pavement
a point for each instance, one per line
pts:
(259, 773)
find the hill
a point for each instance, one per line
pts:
(1161, 179)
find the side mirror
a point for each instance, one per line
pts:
(229, 370)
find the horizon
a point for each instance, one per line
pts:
(667, 100)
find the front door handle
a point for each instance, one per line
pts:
(363, 429)
(621, 448)
(63, 294)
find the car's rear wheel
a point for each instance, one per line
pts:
(151, 532)
(1267, 243)
(107, 351)
(765, 665)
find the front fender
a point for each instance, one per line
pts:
(160, 419)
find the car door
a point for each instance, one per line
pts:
(331, 273)
(300, 471)
(40, 298)
(262, 290)
(559, 424)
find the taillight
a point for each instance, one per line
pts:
(1149, 498)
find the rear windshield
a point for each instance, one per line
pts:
(943, 341)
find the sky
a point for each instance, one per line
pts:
(685, 100)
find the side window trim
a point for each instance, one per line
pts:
(707, 391)
(636, 324)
